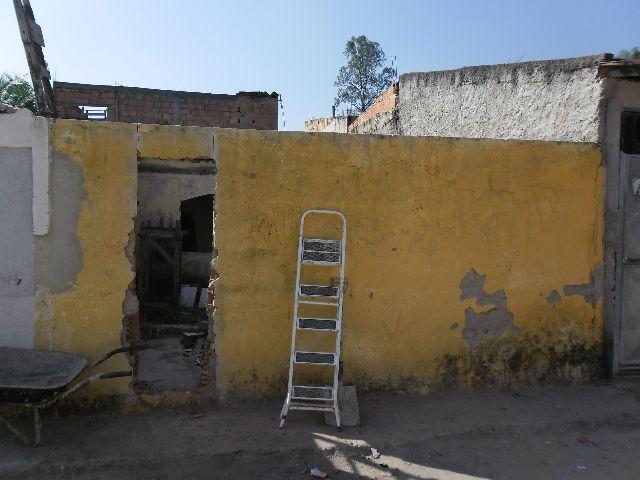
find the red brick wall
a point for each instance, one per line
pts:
(384, 103)
(167, 107)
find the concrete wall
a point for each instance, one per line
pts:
(481, 265)
(17, 248)
(329, 124)
(547, 100)
(255, 110)
(24, 195)
(85, 294)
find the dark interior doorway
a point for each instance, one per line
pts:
(196, 219)
(630, 133)
(174, 321)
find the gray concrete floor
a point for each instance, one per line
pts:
(163, 367)
(533, 434)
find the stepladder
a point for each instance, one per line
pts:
(316, 334)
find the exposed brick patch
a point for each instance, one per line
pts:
(383, 104)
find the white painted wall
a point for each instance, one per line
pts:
(24, 196)
(23, 129)
(17, 248)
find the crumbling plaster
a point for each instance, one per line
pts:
(84, 271)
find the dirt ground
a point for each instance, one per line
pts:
(533, 434)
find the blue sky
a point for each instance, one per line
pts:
(295, 47)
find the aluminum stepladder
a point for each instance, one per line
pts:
(320, 252)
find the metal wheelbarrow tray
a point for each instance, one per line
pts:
(38, 379)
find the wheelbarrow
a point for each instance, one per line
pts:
(37, 379)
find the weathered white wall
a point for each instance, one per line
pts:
(23, 129)
(327, 125)
(547, 100)
(17, 250)
(24, 196)
(381, 124)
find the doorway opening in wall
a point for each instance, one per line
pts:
(630, 133)
(627, 282)
(173, 257)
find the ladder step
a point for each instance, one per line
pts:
(321, 245)
(315, 358)
(321, 324)
(320, 258)
(318, 407)
(325, 291)
(302, 392)
(318, 251)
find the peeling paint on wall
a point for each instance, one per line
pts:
(592, 291)
(553, 298)
(482, 325)
(64, 253)
(84, 272)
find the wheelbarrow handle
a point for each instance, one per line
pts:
(68, 391)
(108, 355)
(123, 373)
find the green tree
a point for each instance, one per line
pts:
(364, 77)
(17, 91)
(633, 54)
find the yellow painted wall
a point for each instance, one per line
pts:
(421, 213)
(87, 317)
(173, 142)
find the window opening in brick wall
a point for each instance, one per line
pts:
(95, 113)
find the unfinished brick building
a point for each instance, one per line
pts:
(255, 110)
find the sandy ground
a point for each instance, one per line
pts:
(451, 435)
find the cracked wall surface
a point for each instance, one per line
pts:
(511, 220)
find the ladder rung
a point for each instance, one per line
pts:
(320, 324)
(303, 392)
(324, 291)
(318, 407)
(311, 302)
(315, 358)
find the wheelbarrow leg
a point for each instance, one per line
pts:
(15, 431)
(37, 425)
